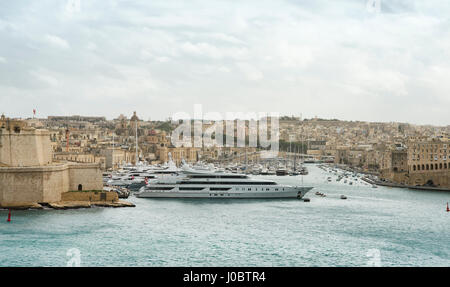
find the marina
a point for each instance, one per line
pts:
(408, 227)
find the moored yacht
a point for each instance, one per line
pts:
(219, 185)
(132, 181)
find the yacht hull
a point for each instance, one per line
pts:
(294, 192)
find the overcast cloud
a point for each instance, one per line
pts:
(333, 59)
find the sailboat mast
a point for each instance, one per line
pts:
(295, 154)
(136, 142)
(112, 160)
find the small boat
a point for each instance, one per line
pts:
(343, 197)
(121, 191)
(281, 171)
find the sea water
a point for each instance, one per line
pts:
(372, 227)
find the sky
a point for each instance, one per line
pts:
(368, 60)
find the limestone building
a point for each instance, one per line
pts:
(429, 162)
(28, 173)
(425, 162)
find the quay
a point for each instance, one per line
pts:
(372, 178)
(75, 199)
(393, 184)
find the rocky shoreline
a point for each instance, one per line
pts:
(73, 200)
(69, 205)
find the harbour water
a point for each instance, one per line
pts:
(373, 226)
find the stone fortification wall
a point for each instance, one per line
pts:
(25, 147)
(89, 176)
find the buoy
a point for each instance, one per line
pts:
(9, 216)
(448, 210)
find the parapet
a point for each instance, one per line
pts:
(21, 145)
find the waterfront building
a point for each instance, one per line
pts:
(428, 162)
(80, 157)
(28, 172)
(115, 157)
(188, 154)
(394, 165)
(423, 162)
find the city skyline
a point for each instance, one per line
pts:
(334, 60)
(167, 118)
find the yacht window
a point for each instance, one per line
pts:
(230, 182)
(191, 188)
(159, 188)
(249, 189)
(219, 188)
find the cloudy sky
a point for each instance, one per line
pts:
(344, 59)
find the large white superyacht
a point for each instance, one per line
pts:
(195, 184)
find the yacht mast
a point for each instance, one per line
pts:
(295, 153)
(136, 142)
(112, 160)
